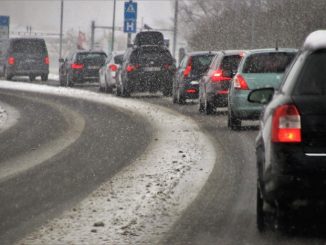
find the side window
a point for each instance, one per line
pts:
(215, 62)
(183, 63)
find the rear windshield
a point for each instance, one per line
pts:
(268, 62)
(28, 46)
(200, 63)
(118, 59)
(94, 58)
(231, 63)
(148, 54)
(312, 78)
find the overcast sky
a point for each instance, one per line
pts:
(44, 15)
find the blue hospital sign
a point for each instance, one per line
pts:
(4, 26)
(130, 17)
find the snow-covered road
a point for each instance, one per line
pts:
(141, 202)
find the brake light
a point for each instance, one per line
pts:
(217, 76)
(187, 71)
(191, 91)
(131, 68)
(46, 60)
(77, 66)
(11, 60)
(286, 124)
(113, 67)
(240, 83)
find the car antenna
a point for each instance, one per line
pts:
(276, 45)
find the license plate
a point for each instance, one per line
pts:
(93, 67)
(152, 68)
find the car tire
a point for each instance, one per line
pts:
(68, 81)
(44, 77)
(100, 88)
(180, 98)
(260, 213)
(208, 108)
(31, 78)
(117, 91)
(233, 122)
(7, 75)
(174, 96)
(201, 106)
(124, 92)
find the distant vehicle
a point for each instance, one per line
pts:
(80, 67)
(147, 68)
(24, 57)
(190, 71)
(291, 146)
(214, 85)
(108, 72)
(259, 68)
(149, 38)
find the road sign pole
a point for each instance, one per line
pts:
(113, 25)
(175, 29)
(61, 26)
(129, 40)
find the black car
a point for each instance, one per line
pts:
(80, 67)
(24, 57)
(147, 68)
(291, 145)
(215, 83)
(191, 69)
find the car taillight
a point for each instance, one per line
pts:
(11, 60)
(46, 60)
(113, 67)
(240, 83)
(217, 76)
(131, 68)
(77, 66)
(286, 124)
(187, 71)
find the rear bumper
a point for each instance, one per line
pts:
(14, 70)
(242, 108)
(294, 175)
(81, 77)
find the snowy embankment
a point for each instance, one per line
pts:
(8, 116)
(141, 202)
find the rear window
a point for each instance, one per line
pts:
(28, 46)
(231, 63)
(312, 80)
(200, 63)
(145, 55)
(91, 57)
(268, 62)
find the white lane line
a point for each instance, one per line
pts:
(141, 202)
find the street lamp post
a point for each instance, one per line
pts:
(61, 25)
(113, 25)
(175, 30)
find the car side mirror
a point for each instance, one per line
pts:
(261, 96)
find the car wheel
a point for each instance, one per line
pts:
(32, 78)
(180, 97)
(68, 81)
(124, 91)
(233, 122)
(108, 89)
(7, 75)
(44, 77)
(100, 88)
(117, 91)
(260, 213)
(201, 107)
(208, 108)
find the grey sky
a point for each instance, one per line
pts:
(44, 15)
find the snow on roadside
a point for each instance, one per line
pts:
(141, 202)
(8, 116)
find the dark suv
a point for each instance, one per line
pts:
(24, 57)
(146, 68)
(190, 71)
(80, 67)
(291, 145)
